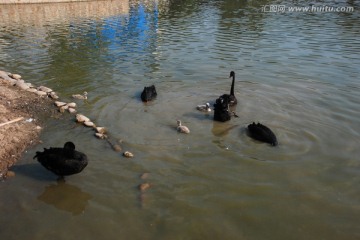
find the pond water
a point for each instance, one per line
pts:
(297, 73)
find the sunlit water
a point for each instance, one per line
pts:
(297, 73)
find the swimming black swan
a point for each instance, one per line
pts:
(231, 97)
(148, 94)
(221, 110)
(62, 161)
(262, 133)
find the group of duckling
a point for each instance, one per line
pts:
(66, 161)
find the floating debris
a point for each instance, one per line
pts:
(29, 120)
(128, 154)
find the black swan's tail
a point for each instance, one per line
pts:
(262, 133)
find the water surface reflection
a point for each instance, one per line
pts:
(65, 197)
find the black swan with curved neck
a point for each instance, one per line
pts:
(231, 99)
(63, 161)
(262, 133)
(149, 93)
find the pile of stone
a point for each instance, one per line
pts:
(16, 80)
(42, 91)
(63, 106)
(100, 132)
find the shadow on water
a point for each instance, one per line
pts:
(34, 171)
(66, 197)
(59, 193)
(220, 129)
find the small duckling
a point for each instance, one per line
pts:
(79, 96)
(181, 128)
(204, 108)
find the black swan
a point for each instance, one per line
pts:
(262, 133)
(231, 99)
(221, 110)
(148, 94)
(62, 161)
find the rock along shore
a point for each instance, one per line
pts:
(21, 111)
(22, 107)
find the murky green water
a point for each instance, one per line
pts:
(298, 73)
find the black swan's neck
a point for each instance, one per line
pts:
(232, 86)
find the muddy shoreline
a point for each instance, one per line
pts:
(22, 114)
(23, 110)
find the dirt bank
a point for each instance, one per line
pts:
(21, 114)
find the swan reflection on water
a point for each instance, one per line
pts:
(66, 197)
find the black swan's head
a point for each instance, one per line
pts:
(232, 74)
(69, 146)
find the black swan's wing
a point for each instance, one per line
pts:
(262, 133)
